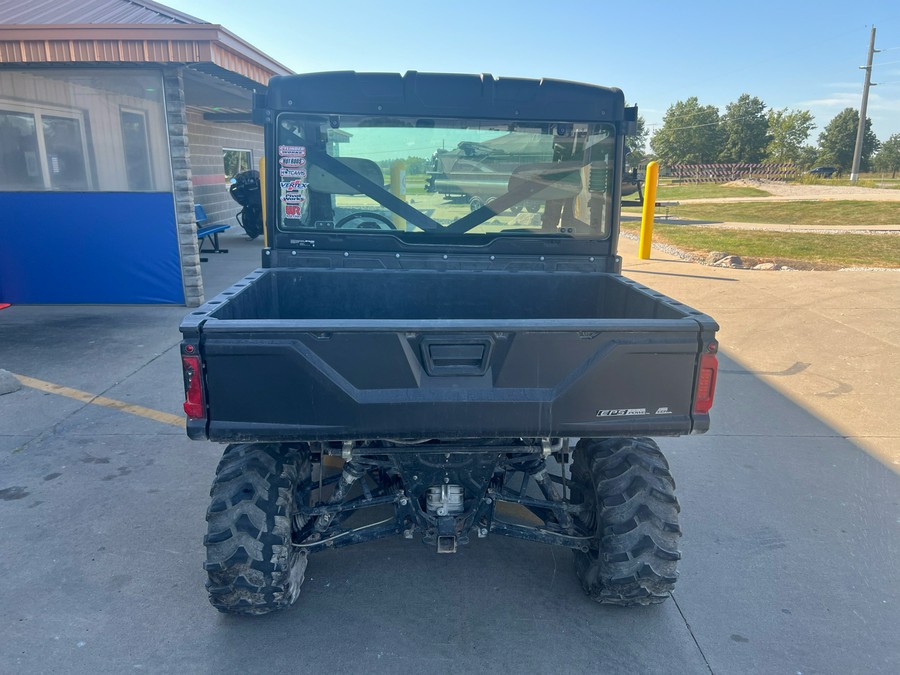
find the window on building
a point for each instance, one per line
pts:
(64, 150)
(137, 150)
(19, 163)
(42, 149)
(236, 161)
(83, 129)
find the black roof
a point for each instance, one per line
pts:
(444, 95)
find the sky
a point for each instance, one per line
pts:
(791, 53)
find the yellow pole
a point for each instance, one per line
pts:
(398, 189)
(649, 208)
(262, 194)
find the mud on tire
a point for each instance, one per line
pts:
(634, 516)
(252, 565)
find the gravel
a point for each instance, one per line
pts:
(782, 190)
(701, 260)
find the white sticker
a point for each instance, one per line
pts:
(291, 151)
(621, 412)
(294, 162)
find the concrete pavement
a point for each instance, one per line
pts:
(828, 340)
(792, 526)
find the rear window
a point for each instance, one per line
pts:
(445, 177)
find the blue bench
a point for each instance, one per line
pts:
(208, 232)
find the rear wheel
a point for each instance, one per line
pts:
(633, 512)
(252, 564)
(250, 219)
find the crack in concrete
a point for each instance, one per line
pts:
(691, 631)
(51, 430)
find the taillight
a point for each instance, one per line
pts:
(706, 382)
(193, 393)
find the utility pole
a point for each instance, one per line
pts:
(861, 131)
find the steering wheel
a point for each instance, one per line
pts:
(381, 224)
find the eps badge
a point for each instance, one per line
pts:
(626, 412)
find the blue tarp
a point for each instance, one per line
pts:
(89, 247)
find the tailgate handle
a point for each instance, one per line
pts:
(454, 357)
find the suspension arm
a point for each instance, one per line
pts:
(541, 536)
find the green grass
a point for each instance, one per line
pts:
(823, 213)
(415, 184)
(869, 180)
(822, 250)
(705, 191)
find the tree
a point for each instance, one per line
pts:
(746, 130)
(888, 157)
(788, 131)
(807, 156)
(837, 142)
(691, 133)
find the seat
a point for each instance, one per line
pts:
(208, 232)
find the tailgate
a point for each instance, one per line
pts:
(320, 380)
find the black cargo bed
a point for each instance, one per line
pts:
(323, 354)
(379, 295)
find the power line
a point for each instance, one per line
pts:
(722, 120)
(691, 114)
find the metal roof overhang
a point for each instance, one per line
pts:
(226, 55)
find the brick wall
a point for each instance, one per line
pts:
(182, 187)
(207, 139)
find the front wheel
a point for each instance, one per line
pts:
(633, 512)
(252, 564)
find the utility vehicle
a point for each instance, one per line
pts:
(404, 366)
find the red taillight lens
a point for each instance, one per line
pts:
(706, 383)
(193, 394)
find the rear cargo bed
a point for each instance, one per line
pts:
(376, 295)
(323, 354)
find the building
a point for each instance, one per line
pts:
(116, 117)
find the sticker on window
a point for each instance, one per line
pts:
(293, 185)
(293, 198)
(293, 211)
(292, 173)
(291, 151)
(293, 162)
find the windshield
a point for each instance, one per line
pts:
(445, 177)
